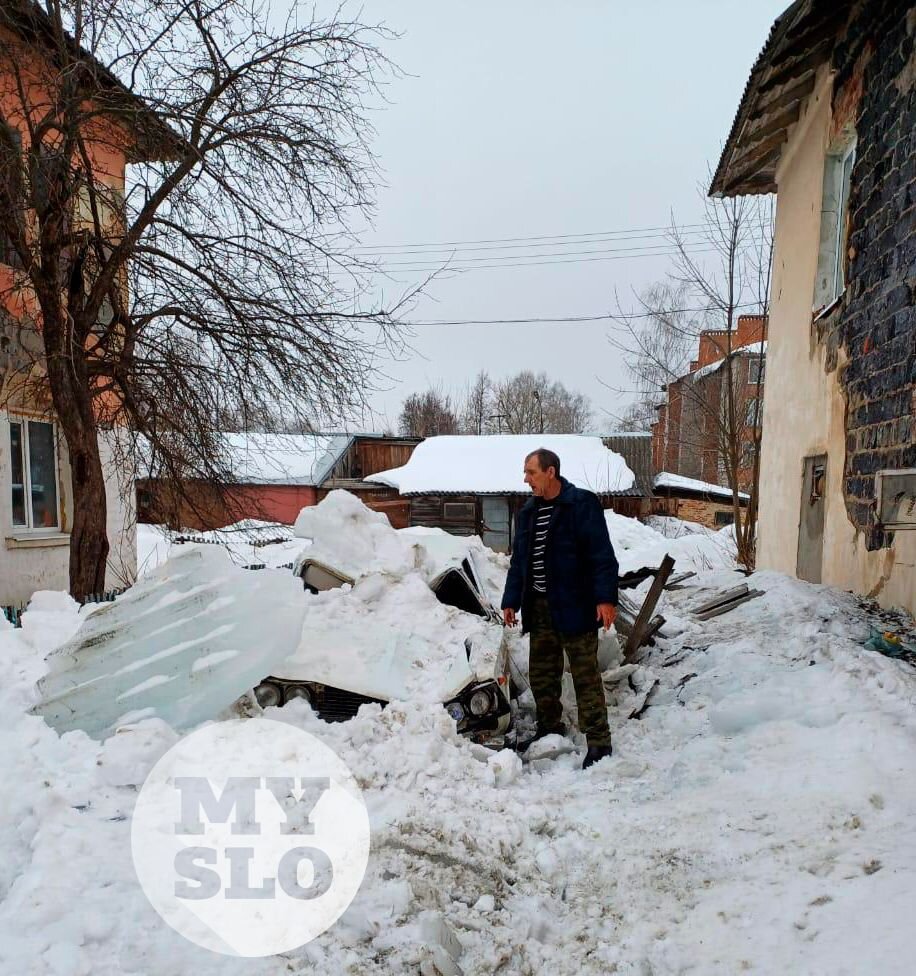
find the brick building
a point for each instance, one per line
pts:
(827, 121)
(688, 434)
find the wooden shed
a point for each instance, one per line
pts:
(474, 485)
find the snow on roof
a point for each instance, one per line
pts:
(664, 479)
(492, 464)
(285, 459)
(755, 349)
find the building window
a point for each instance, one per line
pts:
(725, 518)
(33, 452)
(752, 412)
(459, 510)
(831, 264)
(756, 370)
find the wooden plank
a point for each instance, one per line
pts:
(721, 598)
(680, 578)
(644, 617)
(726, 607)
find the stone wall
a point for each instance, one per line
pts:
(875, 324)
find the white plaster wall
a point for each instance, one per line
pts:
(47, 567)
(23, 571)
(804, 406)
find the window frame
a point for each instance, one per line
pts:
(753, 411)
(839, 163)
(757, 364)
(29, 528)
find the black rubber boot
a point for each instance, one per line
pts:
(596, 754)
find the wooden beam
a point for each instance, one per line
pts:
(644, 617)
(721, 598)
(751, 175)
(759, 150)
(771, 125)
(798, 66)
(730, 605)
(788, 96)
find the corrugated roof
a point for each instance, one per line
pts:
(636, 449)
(800, 41)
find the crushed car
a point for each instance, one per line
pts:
(369, 615)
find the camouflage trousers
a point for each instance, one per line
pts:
(545, 672)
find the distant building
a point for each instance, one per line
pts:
(826, 122)
(277, 475)
(687, 437)
(695, 501)
(36, 482)
(474, 485)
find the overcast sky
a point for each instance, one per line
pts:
(522, 118)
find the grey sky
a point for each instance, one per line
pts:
(521, 118)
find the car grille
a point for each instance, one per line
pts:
(336, 705)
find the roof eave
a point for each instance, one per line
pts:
(800, 41)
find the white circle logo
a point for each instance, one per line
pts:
(250, 838)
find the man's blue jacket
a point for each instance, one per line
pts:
(581, 565)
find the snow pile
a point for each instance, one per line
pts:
(638, 546)
(675, 528)
(347, 536)
(250, 542)
(757, 818)
(493, 464)
(393, 640)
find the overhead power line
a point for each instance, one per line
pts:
(607, 317)
(461, 268)
(647, 248)
(422, 249)
(541, 237)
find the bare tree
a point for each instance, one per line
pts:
(660, 347)
(530, 403)
(217, 279)
(478, 409)
(716, 416)
(428, 414)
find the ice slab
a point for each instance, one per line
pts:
(181, 645)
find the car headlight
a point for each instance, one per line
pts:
(267, 694)
(456, 710)
(481, 702)
(298, 691)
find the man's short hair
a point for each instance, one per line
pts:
(546, 459)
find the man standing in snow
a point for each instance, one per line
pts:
(563, 578)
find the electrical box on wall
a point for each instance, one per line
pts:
(896, 491)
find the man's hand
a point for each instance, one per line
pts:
(607, 614)
(509, 617)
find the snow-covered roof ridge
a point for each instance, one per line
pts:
(492, 464)
(665, 479)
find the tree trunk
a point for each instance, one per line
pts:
(89, 534)
(76, 417)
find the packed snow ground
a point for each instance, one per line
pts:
(759, 817)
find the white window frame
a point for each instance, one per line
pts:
(29, 528)
(831, 264)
